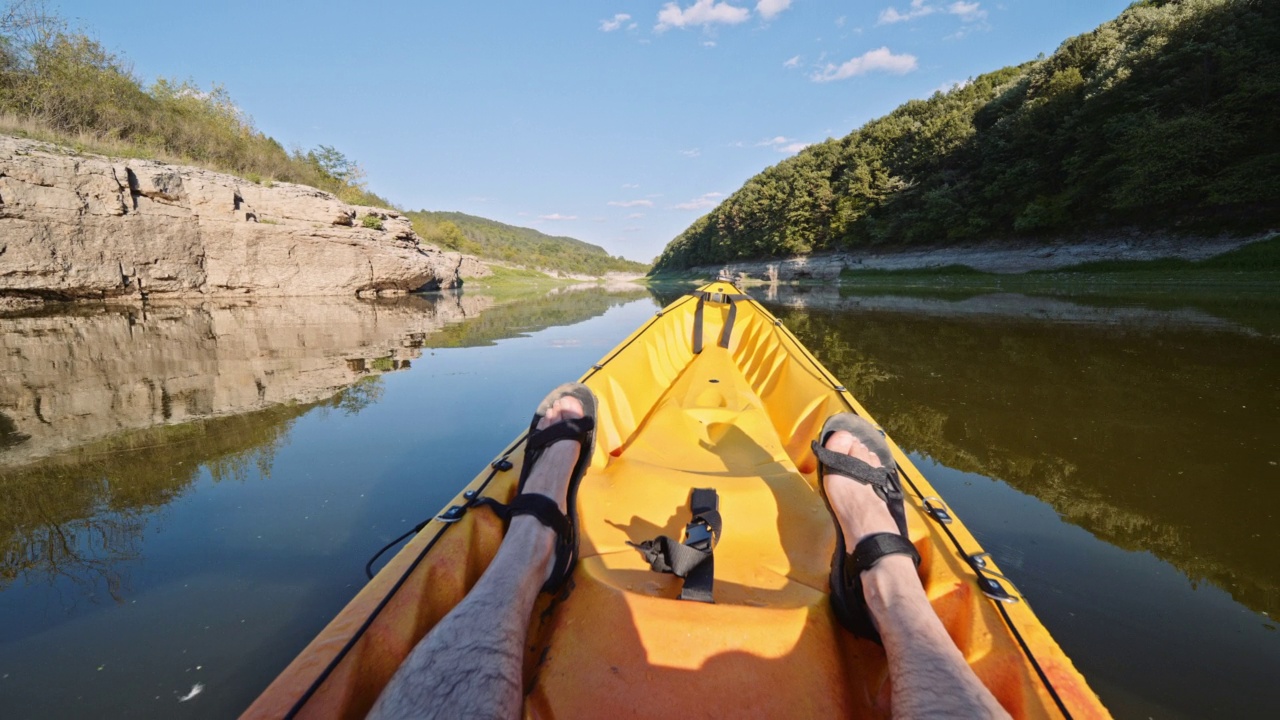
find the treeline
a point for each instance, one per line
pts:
(61, 85)
(1163, 118)
(525, 247)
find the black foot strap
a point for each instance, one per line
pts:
(569, 429)
(874, 547)
(692, 559)
(847, 600)
(882, 480)
(547, 512)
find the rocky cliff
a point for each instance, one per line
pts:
(74, 225)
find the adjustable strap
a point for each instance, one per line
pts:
(881, 479)
(725, 333)
(877, 545)
(536, 504)
(567, 429)
(692, 559)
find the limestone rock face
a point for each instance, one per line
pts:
(87, 226)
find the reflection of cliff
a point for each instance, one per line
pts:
(80, 515)
(108, 414)
(66, 380)
(519, 317)
(1153, 438)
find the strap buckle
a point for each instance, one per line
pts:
(698, 535)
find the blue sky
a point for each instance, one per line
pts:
(618, 122)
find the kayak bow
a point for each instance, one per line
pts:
(713, 392)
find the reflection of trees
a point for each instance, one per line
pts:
(1153, 439)
(81, 516)
(527, 315)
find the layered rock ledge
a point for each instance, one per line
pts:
(77, 226)
(991, 257)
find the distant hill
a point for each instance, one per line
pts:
(1162, 119)
(517, 245)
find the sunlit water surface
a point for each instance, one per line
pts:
(190, 492)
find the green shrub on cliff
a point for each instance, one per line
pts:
(1162, 118)
(63, 86)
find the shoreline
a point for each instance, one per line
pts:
(995, 258)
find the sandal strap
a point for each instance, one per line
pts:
(536, 504)
(568, 429)
(881, 479)
(873, 547)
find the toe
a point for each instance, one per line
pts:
(844, 442)
(563, 408)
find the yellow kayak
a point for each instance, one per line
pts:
(713, 392)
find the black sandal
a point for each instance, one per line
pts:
(846, 569)
(546, 510)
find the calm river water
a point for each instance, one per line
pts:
(188, 493)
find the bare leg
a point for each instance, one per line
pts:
(471, 663)
(930, 676)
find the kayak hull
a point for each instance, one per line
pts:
(737, 415)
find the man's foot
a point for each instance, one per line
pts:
(859, 511)
(862, 488)
(550, 474)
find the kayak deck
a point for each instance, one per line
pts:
(736, 416)
(769, 627)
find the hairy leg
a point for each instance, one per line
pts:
(471, 663)
(930, 675)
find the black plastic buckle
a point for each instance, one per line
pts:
(698, 535)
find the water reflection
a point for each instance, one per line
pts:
(1152, 428)
(108, 414)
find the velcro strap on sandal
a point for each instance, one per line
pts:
(880, 478)
(568, 429)
(872, 548)
(540, 506)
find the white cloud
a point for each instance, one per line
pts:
(709, 43)
(701, 12)
(701, 202)
(557, 216)
(692, 152)
(635, 216)
(917, 10)
(630, 203)
(616, 22)
(966, 11)
(630, 186)
(769, 9)
(881, 59)
(840, 21)
(783, 144)
(792, 63)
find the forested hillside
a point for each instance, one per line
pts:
(1164, 118)
(517, 245)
